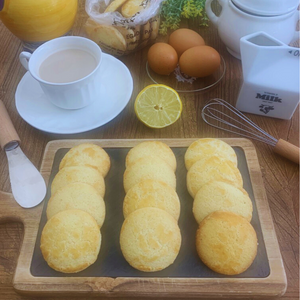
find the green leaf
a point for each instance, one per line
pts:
(173, 11)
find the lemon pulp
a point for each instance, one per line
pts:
(158, 106)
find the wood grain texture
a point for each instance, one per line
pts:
(280, 176)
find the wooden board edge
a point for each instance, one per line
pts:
(274, 285)
(153, 287)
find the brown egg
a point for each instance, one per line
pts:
(162, 58)
(199, 61)
(183, 39)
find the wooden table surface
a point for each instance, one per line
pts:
(281, 177)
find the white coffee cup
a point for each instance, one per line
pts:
(68, 95)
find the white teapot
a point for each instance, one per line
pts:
(239, 18)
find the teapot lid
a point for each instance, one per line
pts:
(267, 7)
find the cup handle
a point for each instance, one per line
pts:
(24, 59)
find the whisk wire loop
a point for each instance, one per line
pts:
(242, 126)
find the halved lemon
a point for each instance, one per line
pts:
(158, 106)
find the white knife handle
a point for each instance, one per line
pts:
(7, 130)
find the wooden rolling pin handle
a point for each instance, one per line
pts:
(287, 150)
(7, 130)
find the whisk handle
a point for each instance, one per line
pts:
(287, 150)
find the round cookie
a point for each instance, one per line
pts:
(148, 167)
(212, 168)
(220, 195)
(226, 243)
(87, 155)
(83, 174)
(77, 195)
(150, 239)
(70, 241)
(207, 147)
(152, 148)
(152, 193)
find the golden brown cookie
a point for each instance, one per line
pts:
(226, 243)
(212, 168)
(132, 7)
(155, 22)
(87, 154)
(70, 241)
(152, 148)
(114, 5)
(150, 239)
(221, 195)
(129, 36)
(77, 195)
(207, 147)
(109, 36)
(148, 167)
(83, 174)
(152, 193)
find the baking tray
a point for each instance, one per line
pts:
(111, 263)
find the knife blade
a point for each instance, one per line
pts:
(27, 184)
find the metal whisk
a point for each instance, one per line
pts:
(217, 112)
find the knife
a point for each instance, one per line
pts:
(27, 184)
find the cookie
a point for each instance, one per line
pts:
(150, 239)
(152, 193)
(130, 36)
(77, 195)
(89, 155)
(132, 7)
(212, 168)
(226, 243)
(207, 147)
(70, 241)
(221, 195)
(152, 148)
(148, 167)
(74, 174)
(109, 36)
(114, 5)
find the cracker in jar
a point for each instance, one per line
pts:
(109, 36)
(155, 26)
(146, 32)
(131, 36)
(132, 7)
(114, 5)
(90, 25)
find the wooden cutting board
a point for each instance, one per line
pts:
(111, 275)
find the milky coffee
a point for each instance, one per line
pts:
(67, 65)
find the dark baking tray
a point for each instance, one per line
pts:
(111, 263)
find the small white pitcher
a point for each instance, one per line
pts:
(271, 77)
(242, 17)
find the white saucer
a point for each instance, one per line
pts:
(115, 84)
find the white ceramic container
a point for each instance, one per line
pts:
(239, 18)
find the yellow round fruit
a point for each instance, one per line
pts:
(158, 106)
